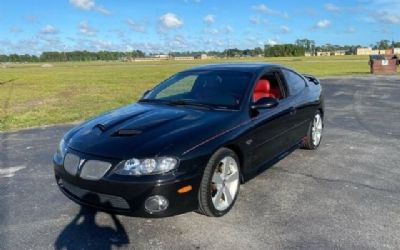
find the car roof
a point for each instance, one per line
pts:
(244, 67)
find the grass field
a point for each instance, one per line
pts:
(31, 95)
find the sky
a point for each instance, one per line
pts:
(157, 26)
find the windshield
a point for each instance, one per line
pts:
(220, 89)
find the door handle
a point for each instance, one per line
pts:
(292, 111)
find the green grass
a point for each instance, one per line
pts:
(32, 96)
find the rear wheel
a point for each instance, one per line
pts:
(220, 184)
(314, 134)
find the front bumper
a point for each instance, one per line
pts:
(127, 195)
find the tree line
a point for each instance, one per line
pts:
(55, 56)
(234, 52)
(298, 48)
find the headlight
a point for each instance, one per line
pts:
(62, 148)
(147, 166)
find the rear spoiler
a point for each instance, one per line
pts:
(312, 79)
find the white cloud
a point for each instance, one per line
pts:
(209, 19)
(170, 21)
(223, 30)
(272, 42)
(212, 31)
(103, 10)
(266, 10)
(284, 29)
(228, 29)
(49, 29)
(260, 7)
(322, 24)
(83, 4)
(382, 11)
(101, 44)
(387, 17)
(136, 26)
(350, 30)
(215, 43)
(86, 29)
(178, 42)
(89, 5)
(331, 7)
(255, 19)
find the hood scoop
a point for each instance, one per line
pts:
(101, 127)
(127, 132)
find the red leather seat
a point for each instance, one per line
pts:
(262, 90)
(275, 92)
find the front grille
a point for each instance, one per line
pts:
(97, 199)
(71, 163)
(94, 170)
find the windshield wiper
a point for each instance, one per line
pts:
(182, 102)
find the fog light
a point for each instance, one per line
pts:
(156, 203)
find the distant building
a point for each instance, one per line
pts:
(370, 51)
(183, 58)
(146, 59)
(364, 51)
(339, 53)
(161, 56)
(323, 53)
(203, 57)
(307, 54)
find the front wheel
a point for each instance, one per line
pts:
(220, 184)
(314, 134)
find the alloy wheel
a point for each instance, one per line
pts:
(316, 131)
(225, 183)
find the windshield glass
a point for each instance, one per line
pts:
(221, 89)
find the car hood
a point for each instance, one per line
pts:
(146, 130)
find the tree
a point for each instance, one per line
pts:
(396, 44)
(284, 50)
(308, 45)
(382, 44)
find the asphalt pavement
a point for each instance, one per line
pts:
(345, 195)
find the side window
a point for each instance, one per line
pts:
(183, 86)
(294, 82)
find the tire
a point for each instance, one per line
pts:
(219, 186)
(314, 133)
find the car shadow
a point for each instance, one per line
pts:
(83, 233)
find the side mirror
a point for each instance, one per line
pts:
(265, 103)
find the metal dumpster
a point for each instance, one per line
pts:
(383, 64)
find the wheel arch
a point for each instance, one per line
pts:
(321, 110)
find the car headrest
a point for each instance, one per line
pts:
(263, 85)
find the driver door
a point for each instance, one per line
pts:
(269, 126)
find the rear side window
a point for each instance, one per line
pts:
(295, 83)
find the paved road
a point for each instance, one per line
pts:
(346, 195)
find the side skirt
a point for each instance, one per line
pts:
(270, 163)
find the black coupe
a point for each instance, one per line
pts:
(191, 140)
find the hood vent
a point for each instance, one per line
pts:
(101, 127)
(127, 132)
